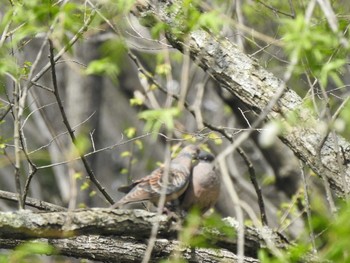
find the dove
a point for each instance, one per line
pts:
(149, 188)
(204, 186)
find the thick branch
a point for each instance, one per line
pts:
(126, 226)
(26, 224)
(256, 87)
(122, 249)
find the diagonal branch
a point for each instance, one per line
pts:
(70, 130)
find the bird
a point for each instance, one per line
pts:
(149, 188)
(204, 186)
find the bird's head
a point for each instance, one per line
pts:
(191, 151)
(204, 156)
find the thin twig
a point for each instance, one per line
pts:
(74, 39)
(198, 102)
(235, 199)
(61, 134)
(330, 129)
(256, 186)
(16, 138)
(160, 205)
(307, 207)
(41, 205)
(184, 77)
(6, 112)
(276, 10)
(32, 168)
(36, 84)
(70, 131)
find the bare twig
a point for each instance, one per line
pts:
(16, 138)
(8, 109)
(256, 186)
(275, 10)
(32, 168)
(36, 84)
(70, 131)
(74, 39)
(307, 207)
(198, 102)
(61, 134)
(41, 205)
(235, 199)
(160, 205)
(184, 77)
(240, 40)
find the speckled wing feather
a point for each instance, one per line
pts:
(149, 188)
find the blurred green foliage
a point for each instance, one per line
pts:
(27, 253)
(112, 54)
(314, 47)
(331, 234)
(155, 119)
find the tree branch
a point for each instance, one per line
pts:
(115, 227)
(70, 130)
(121, 249)
(41, 205)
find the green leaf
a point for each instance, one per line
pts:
(124, 171)
(103, 66)
(214, 137)
(82, 143)
(125, 154)
(210, 21)
(163, 69)
(130, 132)
(139, 144)
(23, 251)
(124, 6)
(156, 118)
(77, 176)
(85, 186)
(136, 101)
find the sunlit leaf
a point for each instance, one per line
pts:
(125, 154)
(158, 117)
(85, 186)
(130, 132)
(78, 176)
(136, 102)
(139, 144)
(215, 137)
(124, 171)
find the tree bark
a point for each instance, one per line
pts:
(115, 249)
(104, 234)
(256, 87)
